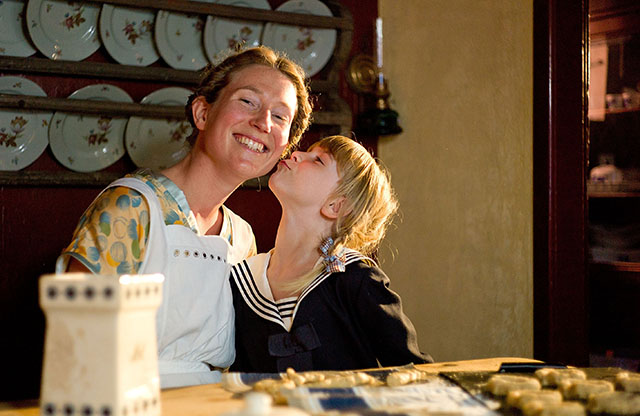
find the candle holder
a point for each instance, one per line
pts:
(366, 78)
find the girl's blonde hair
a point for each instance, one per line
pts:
(216, 77)
(369, 198)
(369, 206)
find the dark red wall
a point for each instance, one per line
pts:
(36, 223)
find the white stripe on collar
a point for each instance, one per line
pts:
(262, 306)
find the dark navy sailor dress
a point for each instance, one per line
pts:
(341, 321)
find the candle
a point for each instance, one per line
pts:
(379, 42)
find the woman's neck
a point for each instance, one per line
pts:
(296, 250)
(205, 189)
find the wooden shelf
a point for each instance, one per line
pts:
(101, 70)
(622, 110)
(621, 266)
(244, 13)
(91, 107)
(613, 194)
(78, 179)
(339, 116)
(621, 190)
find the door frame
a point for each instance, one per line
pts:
(560, 144)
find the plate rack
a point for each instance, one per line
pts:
(335, 114)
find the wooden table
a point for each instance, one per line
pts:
(212, 400)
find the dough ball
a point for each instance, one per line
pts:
(555, 376)
(502, 384)
(402, 377)
(581, 389)
(628, 381)
(614, 403)
(519, 398)
(538, 408)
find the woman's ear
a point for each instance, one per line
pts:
(333, 207)
(199, 110)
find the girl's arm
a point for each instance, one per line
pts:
(390, 332)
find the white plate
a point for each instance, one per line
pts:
(13, 39)
(127, 34)
(311, 48)
(222, 35)
(23, 134)
(64, 30)
(159, 143)
(179, 39)
(88, 143)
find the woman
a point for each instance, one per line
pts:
(248, 112)
(316, 302)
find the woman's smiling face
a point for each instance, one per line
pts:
(247, 127)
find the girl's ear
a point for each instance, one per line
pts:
(199, 109)
(333, 207)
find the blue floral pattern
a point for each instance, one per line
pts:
(112, 234)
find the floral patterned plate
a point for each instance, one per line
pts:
(23, 134)
(222, 35)
(89, 143)
(179, 39)
(127, 34)
(311, 48)
(159, 143)
(13, 39)
(62, 29)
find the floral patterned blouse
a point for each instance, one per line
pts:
(112, 234)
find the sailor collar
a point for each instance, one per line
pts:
(250, 277)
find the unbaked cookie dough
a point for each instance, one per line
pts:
(402, 377)
(538, 408)
(614, 403)
(581, 389)
(519, 398)
(555, 376)
(628, 381)
(502, 384)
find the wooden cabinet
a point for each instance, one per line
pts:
(613, 206)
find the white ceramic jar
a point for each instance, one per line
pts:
(100, 355)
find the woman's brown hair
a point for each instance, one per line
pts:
(216, 77)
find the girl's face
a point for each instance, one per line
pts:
(246, 129)
(306, 179)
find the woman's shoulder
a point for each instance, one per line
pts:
(172, 201)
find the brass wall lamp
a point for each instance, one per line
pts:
(366, 77)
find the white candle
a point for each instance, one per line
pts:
(379, 42)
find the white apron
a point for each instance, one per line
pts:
(195, 322)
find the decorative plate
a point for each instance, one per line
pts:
(179, 39)
(64, 30)
(13, 39)
(89, 143)
(311, 48)
(222, 35)
(23, 134)
(127, 34)
(159, 143)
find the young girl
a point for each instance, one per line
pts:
(316, 301)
